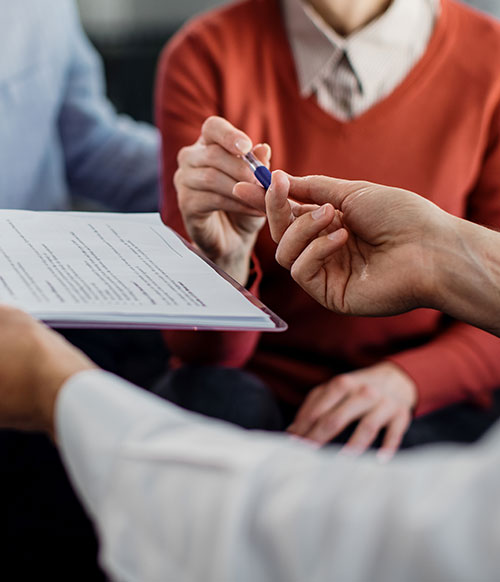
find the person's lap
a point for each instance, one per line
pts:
(236, 396)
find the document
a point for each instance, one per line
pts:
(93, 269)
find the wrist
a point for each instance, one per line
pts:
(404, 384)
(54, 368)
(237, 265)
(441, 259)
(456, 267)
(468, 274)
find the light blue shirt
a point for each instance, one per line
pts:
(59, 136)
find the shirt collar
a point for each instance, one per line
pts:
(317, 48)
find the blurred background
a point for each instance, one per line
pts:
(130, 34)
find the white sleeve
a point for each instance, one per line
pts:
(178, 498)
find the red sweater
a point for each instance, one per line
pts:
(437, 134)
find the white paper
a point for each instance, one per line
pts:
(114, 270)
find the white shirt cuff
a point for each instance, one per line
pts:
(95, 411)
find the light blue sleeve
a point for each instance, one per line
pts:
(109, 158)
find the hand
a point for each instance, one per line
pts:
(221, 225)
(379, 397)
(368, 250)
(34, 364)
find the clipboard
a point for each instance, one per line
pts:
(118, 271)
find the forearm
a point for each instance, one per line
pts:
(467, 275)
(108, 158)
(262, 507)
(459, 364)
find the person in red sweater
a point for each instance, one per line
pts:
(432, 126)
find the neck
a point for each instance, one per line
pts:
(347, 16)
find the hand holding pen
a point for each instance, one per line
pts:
(223, 226)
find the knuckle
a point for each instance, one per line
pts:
(344, 382)
(212, 155)
(369, 428)
(183, 155)
(178, 178)
(405, 415)
(295, 270)
(368, 391)
(183, 202)
(315, 245)
(337, 387)
(281, 258)
(392, 409)
(208, 123)
(333, 423)
(209, 178)
(314, 393)
(304, 419)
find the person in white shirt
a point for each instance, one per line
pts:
(180, 497)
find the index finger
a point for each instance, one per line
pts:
(219, 131)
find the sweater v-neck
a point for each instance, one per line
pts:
(442, 37)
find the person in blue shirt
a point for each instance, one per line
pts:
(61, 142)
(60, 138)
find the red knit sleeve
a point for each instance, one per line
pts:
(187, 92)
(463, 363)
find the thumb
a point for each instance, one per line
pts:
(263, 152)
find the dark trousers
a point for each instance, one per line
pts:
(48, 534)
(239, 397)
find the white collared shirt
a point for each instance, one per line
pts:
(177, 497)
(350, 75)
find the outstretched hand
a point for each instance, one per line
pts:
(355, 247)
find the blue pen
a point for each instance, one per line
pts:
(260, 171)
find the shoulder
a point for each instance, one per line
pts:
(25, 15)
(476, 40)
(35, 32)
(223, 31)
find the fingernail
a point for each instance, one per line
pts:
(268, 151)
(319, 212)
(311, 444)
(334, 235)
(243, 145)
(383, 457)
(352, 452)
(264, 145)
